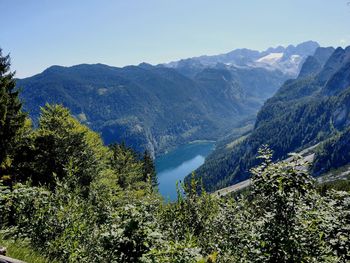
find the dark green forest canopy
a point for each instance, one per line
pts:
(152, 107)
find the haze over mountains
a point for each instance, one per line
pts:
(286, 59)
(313, 108)
(160, 107)
(175, 131)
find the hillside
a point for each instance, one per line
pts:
(312, 108)
(150, 107)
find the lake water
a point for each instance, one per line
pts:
(175, 165)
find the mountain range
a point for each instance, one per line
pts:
(163, 106)
(311, 110)
(288, 59)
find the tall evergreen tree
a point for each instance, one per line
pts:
(149, 170)
(11, 117)
(126, 164)
(61, 141)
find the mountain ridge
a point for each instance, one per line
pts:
(149, 107)
(289, 62)
(159, 107)
(302, 113)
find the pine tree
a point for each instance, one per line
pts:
(11, 117)
(126, 164)
(149, 170)
(62, 142)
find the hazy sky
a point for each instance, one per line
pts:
(40, 33)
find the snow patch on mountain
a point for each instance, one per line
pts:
(295, 58)
(288, 59)
(288, 64)
(270, 58)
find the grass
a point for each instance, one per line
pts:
(20, 249)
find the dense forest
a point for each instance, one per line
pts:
(150, 107)
(76, 200)
(310, 110)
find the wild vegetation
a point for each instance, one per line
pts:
(75, 200)
(21, 248)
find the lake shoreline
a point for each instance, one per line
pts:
(171, 149)
(177, 164)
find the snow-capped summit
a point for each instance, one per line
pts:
(288, 59)
(270, 58)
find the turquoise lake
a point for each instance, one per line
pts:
(175, 165)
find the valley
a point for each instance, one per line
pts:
(158, 107)
(225, 98)
(175, 131)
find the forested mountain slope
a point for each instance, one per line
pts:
(312, 108)
(152, 107)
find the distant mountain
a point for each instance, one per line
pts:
(285, 59)
(313, 64)
(151, 107)
(313, 108)
(160, 107)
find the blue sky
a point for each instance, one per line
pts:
(40, 33)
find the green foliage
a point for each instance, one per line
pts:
(283, 218)
(59, 143)
(22, 250)
(337, 230)
(149, 170)
(127, 166)
(11, 117)
(191, 214)
(279, 192)
(333, 153)
(184, 251)
(339, 185)
(5, 204)
(65, 225)
(129, 233)
(82, 200)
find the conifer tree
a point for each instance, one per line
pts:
(11, 117)
(125, 162)
(61, 146)
(149, 170)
